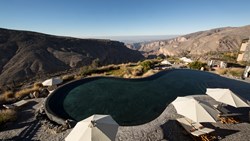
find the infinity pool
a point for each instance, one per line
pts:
(133, 101)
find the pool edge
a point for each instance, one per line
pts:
(54, 117)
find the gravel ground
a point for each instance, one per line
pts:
(165, 127)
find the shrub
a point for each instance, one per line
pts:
(25, 92)
(131, 65)
(244, 63)
(38, 85)
(146, 65)
(87, 70)
(196, 65)
(173, 59)
(107, 69)
(237, 72)
(7, 115)
(137, 71)
(230, 57)
(221, 71)
(68, 77)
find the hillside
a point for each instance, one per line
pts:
(198, 43)
(28, 54)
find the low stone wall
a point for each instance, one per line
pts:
(52, 116)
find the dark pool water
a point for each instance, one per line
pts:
(134, 101)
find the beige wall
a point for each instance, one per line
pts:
(240, 57)
(243, 46)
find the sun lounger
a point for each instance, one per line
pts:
(16, 105)
(9, 106)
(228, 119)
(198, 131)
(225, 116)
(221, 109)
(206, 130)
(189, 128)
(224, 111)
(199, 126)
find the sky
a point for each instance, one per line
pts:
(86, 18)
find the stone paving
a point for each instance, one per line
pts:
(162, 128)
(165, 127)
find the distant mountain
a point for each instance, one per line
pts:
(28, 54)
(137, 39)
(198, 43)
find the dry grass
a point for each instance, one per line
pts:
(221, 71)
(25, 92)
(150, 72)
(7, 115)
(236, 72)
(68, 77)
(38, 84)
(7, 97)
(77, 77)
(10, 96)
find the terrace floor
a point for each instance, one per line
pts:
(164, 127)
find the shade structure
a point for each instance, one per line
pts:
(165, 62)
(195, 110)
(226, 96)
(94, 128)
(52, 81)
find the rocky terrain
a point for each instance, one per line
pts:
(227, 39)
(26, 54)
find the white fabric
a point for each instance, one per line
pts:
(165, 62)
(206, 130)
(226, 96)
(52, 81)
(194, 110)
(188, 127)
(104, 129)
(186, 60)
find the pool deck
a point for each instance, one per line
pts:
(162, 128)
(165, 127)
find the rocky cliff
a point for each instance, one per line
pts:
(198, 43)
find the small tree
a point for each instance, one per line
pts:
(146, 65)
(196, 65)
(161, 56)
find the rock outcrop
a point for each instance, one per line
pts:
(198, 43)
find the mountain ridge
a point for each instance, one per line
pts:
(26, 54)
(197, 43)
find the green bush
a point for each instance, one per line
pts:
(146, 65)
(196, 65)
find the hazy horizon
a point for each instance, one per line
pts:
(133, 39)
